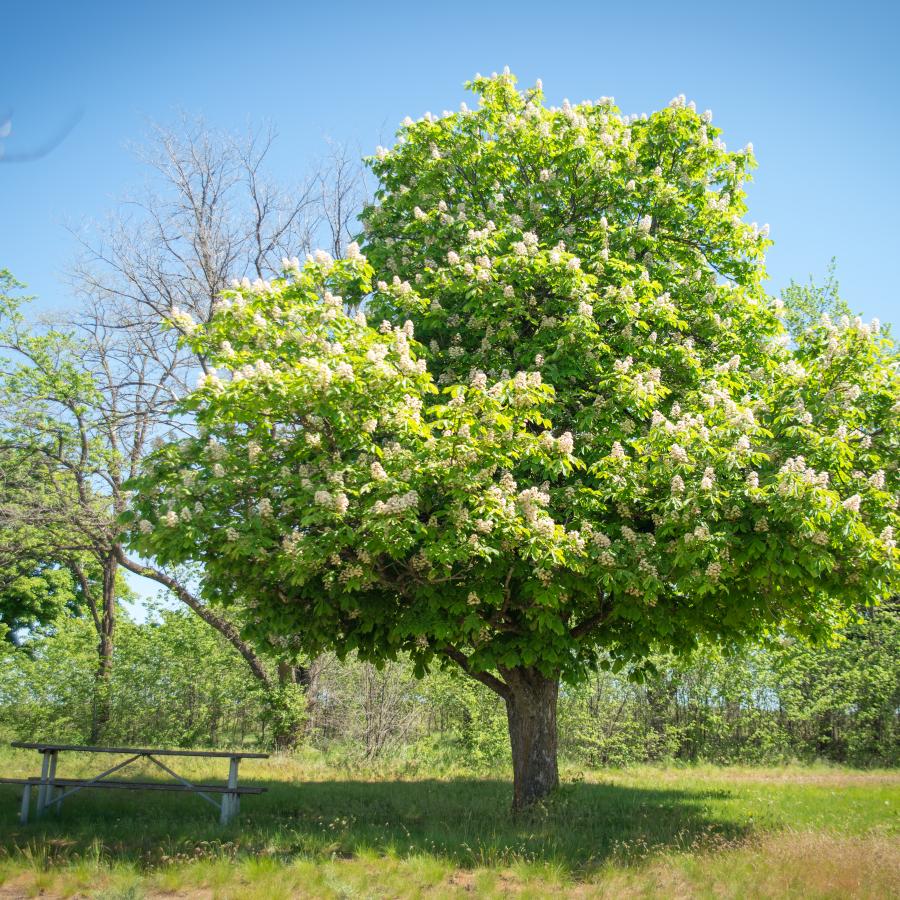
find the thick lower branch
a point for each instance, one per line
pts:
(495, 684)
(591, 622)
(227, 629)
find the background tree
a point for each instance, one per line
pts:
(112, 368)
(779, 704)
(805, 304)
(210, 216)
(663, 467)
(82, 406)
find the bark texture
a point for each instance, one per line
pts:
(531, 713)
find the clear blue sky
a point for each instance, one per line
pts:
(813, 85)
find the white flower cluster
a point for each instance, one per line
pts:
(795, 469)
(564, 444)
(182, 320)
(339, 502)
(678, 453)
(532, 501)
(396, 505)
(209, 380)
(259, 369)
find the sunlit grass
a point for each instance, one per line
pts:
(320, 831)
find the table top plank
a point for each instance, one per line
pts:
(44, 746)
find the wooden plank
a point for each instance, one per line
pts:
(142, 751)
(42, 786)
(51, 790)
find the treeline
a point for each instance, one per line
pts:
(176, 681)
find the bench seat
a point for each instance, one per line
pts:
(136, 785)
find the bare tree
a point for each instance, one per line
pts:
(103, 381)
(342, 193)
(210, 214)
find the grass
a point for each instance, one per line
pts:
(325, 832)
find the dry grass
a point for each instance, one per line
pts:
(802, 865)
(786, 865)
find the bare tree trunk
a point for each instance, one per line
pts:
(103, 674)
(531, 713)
(308, 678)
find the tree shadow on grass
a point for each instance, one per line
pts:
(465, 821)
(468, 821)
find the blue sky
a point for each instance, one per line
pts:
(813, 86)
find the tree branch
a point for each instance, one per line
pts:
(495, 684)
(227, 629)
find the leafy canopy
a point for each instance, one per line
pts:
(576, 423)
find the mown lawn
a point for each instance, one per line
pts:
(324, 832)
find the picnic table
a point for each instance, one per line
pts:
(52, 790)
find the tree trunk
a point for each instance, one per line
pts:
(103, 675)
(531, 713)
(308, 678)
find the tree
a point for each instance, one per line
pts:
(806, 303)
(35, 588)
(600, 444)
(211, 215)
(86, 397)
(79, 409)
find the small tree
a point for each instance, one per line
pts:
(603, 441)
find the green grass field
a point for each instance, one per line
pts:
(325, 832)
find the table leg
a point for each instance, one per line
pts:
(42, 787)
(52, 790)
(230, 801)
(26, 802)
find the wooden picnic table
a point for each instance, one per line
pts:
(51, 790)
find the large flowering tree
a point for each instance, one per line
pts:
(545, 418)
